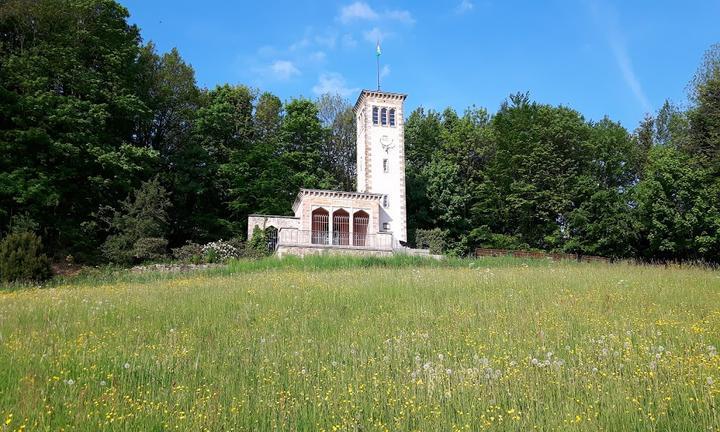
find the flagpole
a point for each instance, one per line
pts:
(377, 54)
(378, 71)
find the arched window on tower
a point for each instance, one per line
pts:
(375, 115)
(383, 116)
(392, 116)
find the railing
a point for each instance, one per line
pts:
(294, 237)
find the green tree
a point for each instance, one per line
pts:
(139, 228)
(338, 150)
(678, 208)
(705, 116)
(540, 153)
(69, 101)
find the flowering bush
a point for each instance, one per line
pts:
(220, 251)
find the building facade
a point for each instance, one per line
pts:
(371, 219)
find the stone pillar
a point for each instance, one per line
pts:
(351, 221)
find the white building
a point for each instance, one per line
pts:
(369, 220)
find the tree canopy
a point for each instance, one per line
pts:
(95, 122)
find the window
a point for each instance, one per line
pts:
(383, 116)
(386, 166)
(392, 116)
(386, 226)
(375, 115)
(386, 201)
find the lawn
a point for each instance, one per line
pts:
(341, 345)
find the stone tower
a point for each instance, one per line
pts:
(381, 156)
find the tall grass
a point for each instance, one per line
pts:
(111, 274)
(342, 344)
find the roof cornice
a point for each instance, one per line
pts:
(378, 93)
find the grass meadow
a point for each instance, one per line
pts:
(366, 345)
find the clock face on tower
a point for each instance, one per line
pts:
(387, 143)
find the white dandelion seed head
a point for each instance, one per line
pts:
(126, 365)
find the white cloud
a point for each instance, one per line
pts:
(400, 15)
(333, 83)
(375, 34)
(464, 6)
(348, 41)
(318, 56)
(302, 43)
(357, 11)
(284, 69)
(385, 71)
(360, 11)
(328, 41)
(607, 19)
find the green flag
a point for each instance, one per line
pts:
(377, 49)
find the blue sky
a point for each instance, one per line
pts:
(620, 59)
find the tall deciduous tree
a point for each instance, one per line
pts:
(338, 152)
(68, 74)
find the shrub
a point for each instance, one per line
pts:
(257, 245)
(149, 249)
(220, 251)
(189, 253)
(21, 258)
(434, 239)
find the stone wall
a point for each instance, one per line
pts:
(265, 221)
(302, 251)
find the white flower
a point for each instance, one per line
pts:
(535, 361)
(103, 383)
(710, 381)
(441, 357)
(448, 371)
(126, 365)
(70, 381)
(594, 370)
